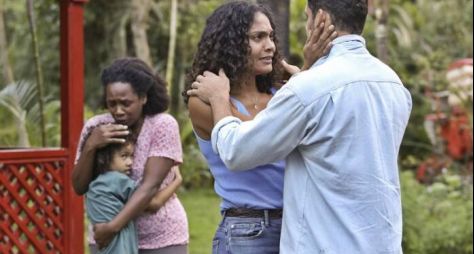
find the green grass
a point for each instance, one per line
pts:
(202, 208)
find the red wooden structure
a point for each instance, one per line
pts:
(39, 212)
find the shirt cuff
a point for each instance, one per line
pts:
(217, 128)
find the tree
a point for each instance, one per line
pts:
(281, 13)
(18, 99)
(38, 70)
(174, 87)
(4, 61)
(106, 40)
(139, 25)
(381, 11)
(421, 46)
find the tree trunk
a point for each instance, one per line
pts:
(172, 53)
(139, 24)
(381, 9)
(108, 31)
(115, 25)
(281, 13)
(4, 61)
(38, 70)
(107, 35)
(23, 138)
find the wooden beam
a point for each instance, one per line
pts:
(72, 103)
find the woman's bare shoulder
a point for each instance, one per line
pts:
(201, 117)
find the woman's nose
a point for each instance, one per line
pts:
(270, 45)
(119, 110)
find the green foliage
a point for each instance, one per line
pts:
(20, 42)
(20, 104)
(53, 125)
(437, 219)
(8, 132)
(425, 37)
(192, 16)
(202, 208)
(23, 130)
(297, 30)
(194, 168)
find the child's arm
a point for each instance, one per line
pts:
(162, 196)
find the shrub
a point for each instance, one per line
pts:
(437, 218)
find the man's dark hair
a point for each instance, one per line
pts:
(347, 15)
(225, 44)
(143, 81)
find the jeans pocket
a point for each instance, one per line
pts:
(246, 231)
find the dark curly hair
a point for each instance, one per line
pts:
(143, 81)
(103, 156)
(225, 44)
(347, 15)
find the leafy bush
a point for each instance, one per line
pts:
(437, 218)
(194, 169)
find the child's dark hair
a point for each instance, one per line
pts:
(103, 156)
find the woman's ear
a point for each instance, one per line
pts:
(144, 99)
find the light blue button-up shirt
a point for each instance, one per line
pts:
(339, 125)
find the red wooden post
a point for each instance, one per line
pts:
(72, 98)
(39, 211)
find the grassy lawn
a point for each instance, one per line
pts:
(202, 208)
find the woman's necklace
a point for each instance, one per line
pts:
(255, 102)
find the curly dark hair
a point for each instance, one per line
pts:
(103, 156)
(347, 15)
(143, 81)
(225, 44)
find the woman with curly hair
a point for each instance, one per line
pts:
(136, 100)
(239, 42)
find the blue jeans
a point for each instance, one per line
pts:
(237, 235)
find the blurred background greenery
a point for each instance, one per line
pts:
(418, 38)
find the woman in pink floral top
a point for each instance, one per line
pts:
(136, 100)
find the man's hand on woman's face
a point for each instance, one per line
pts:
(209, 87)
(320, 35)
(289, 68)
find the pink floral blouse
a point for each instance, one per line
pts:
(159, 137)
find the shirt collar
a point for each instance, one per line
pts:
(350, 39)
(347, 38)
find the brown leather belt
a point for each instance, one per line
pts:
(252, 213)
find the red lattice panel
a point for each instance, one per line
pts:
(31, 207)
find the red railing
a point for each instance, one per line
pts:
(39, 212)
(31, 198)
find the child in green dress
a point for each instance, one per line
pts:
(112, 187)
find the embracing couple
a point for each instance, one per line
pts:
(311, 166)
(303, 167)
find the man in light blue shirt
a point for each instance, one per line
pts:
(339, 125)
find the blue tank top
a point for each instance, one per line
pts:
(257, 188)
